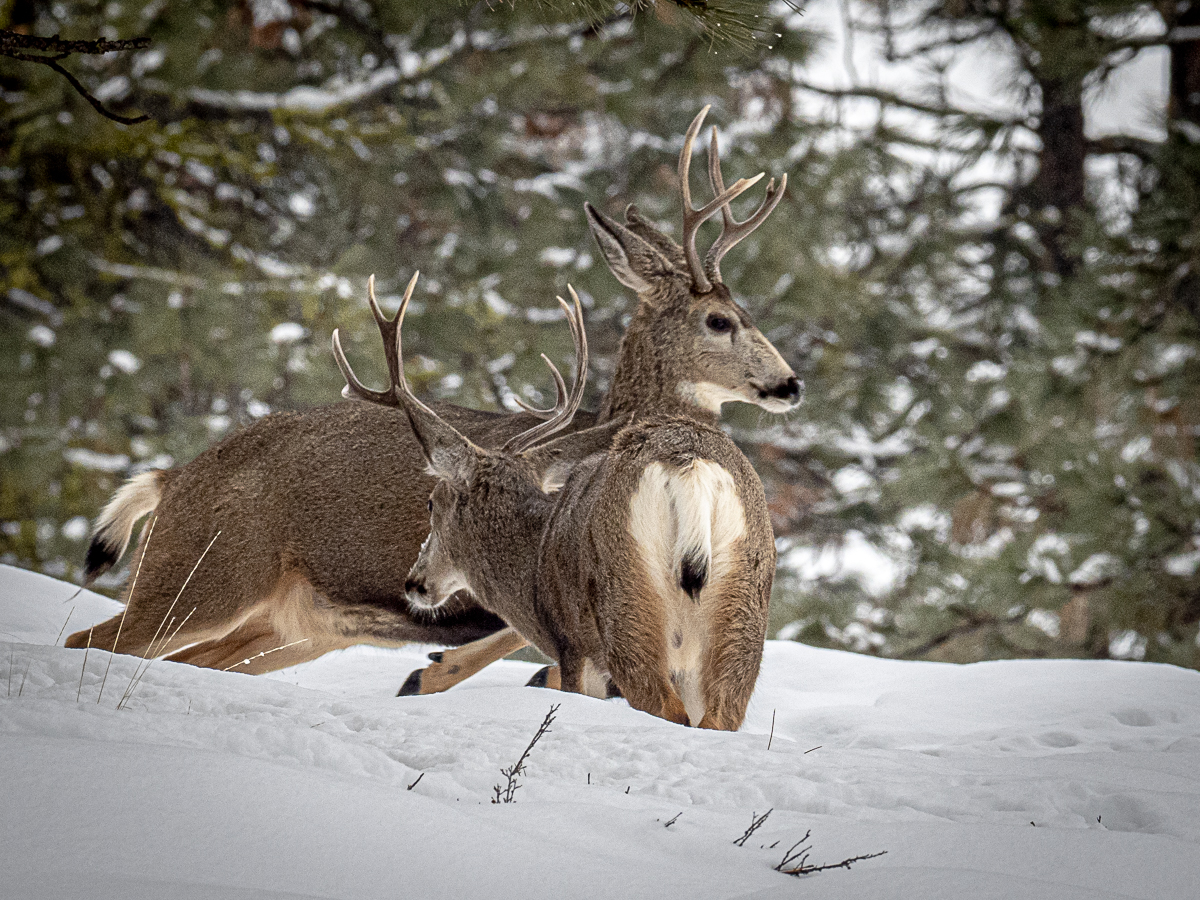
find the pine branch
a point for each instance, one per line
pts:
(888, 98)
(18, 46)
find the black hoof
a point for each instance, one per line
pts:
(539, 677)
(613, 691)
(436, 656)
(412, 684)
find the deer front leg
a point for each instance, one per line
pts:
(459, 663)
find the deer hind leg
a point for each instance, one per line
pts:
(288, 627)
(252, 649)
(732, 662)
(457, 664)
(142, 635)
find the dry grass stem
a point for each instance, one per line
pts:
(153, 655)
(771, 737)
(128, 600)
(64, 628)
(28, 663)
(83, 668)
(250, 659)
(151, 649)
(12, 649)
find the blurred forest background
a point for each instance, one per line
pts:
(986, 270)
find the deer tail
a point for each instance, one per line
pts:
(110, 538)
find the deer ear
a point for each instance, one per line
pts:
(449, 455)
(554, 460)
(636, 262)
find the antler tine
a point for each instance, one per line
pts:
(732, 231)
(560, 388)
(693, 218)
(566, 407)
(389, 330)
(400, 386)
(559, 385)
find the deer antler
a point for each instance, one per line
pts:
(693, 218)
(732, 231)
(565, 406)
(390, 331)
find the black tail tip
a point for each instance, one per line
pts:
(693, 574)
(100, 558)
(412, 684)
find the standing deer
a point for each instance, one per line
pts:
(688, 349)
(316, 514)
(651, 565)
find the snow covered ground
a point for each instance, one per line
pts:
(1058, 779)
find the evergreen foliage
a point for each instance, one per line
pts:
(996, 314)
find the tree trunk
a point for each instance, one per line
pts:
(1184, 100)
(1059, 189)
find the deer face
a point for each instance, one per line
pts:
(484, 526)
(436, 576)
(695, 338)
(732, 360)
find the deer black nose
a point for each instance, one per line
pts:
(787, 390)
(413, 586)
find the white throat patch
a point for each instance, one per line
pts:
(708, 395)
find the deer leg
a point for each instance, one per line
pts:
(732, 663)
(240, 650)
(546, 677)
(252, 648)
(457, 664)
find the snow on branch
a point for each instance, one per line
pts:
(303, 100)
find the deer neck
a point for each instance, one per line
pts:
(507, 565)
(649, 377)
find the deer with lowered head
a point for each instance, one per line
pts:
(290, 537)
(648, 564)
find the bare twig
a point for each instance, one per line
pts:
(128, 600)
(756, 822)
(415, 783)
(798, 854)
(771, 736)
(507, 793)
(673, 819)
(18, 46)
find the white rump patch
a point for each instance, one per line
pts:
(134, 499)
(690, 513)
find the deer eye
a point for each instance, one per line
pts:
(719, 324)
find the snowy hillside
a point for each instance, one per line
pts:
(1014, 779)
